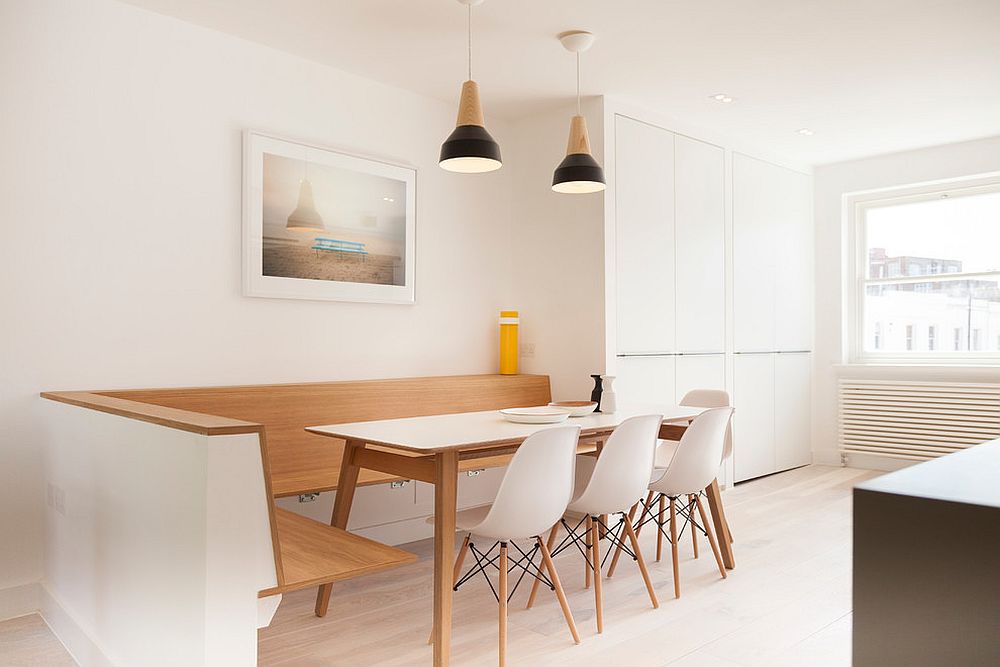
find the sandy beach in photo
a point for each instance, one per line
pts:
(301, 261)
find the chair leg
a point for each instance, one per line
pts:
(502, 593)
(588, 543)
(729, 532)
(694, 525)
(458, 571)
(534, 586)
(711, 539)
(642, 565)
(659, 525)
(621, 539)
(560, 593)
(647, 507)
(673, 546)
(595, 553)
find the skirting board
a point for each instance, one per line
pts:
(79, 644)
(832, 457)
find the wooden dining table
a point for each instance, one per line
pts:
(428, 449)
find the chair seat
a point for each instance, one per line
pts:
(467, 520)
(664, 453)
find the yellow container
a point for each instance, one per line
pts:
(508, 342)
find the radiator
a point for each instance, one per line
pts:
(915, 420)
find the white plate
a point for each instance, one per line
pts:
(541, 415)
(576, 408)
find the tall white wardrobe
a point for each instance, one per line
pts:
(693, 311)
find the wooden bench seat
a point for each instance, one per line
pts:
(314, 553)
(308, 553)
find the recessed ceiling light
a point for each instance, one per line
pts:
(390, 199)
(806, 132)
(722, 97)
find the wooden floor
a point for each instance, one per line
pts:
(27, 641)
(788, 602)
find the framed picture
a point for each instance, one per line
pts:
(322, 224)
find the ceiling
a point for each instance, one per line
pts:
(866, 76)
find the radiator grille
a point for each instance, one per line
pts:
(916, 420)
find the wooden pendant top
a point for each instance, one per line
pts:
(470, 109)
(579, 141)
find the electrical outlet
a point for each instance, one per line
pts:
(399, 483)
(475, 473)
(527, 350)
(308, 497)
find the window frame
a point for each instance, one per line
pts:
(856, 281)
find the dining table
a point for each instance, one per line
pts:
(429, 449)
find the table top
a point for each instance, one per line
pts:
(969, 477)
(470, 430)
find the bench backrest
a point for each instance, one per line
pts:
(301, 462)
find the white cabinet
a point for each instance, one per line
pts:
(794, 291)
(645, 380)
(772, 421)
(753, 423)
(700, 246)
(792, 407)
(644, 237)
(772, 257)
(701, 371)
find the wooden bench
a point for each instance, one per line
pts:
(309, 553)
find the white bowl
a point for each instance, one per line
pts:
(576, 408)
(539, 415)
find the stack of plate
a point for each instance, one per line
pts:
(541, 415)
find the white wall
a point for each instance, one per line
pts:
(832, 182)
(558, 250)
(120, 181)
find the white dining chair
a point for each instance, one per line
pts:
(694, 465)
(696, 398)
(533, 495)
(608, 485)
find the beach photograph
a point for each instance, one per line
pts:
(332, 224)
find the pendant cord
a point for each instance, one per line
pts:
(578, 83)
(469, 32)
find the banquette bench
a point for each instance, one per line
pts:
(308, 553)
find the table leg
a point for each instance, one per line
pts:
(346, 485)
(445, 502)
(719, 521)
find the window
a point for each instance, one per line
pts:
(929, 258)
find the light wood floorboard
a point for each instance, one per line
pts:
(788, 601)
(27, 641)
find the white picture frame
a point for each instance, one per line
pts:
(374, 262)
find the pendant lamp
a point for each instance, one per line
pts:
(470, 149)
(579, 172)
(305, 217)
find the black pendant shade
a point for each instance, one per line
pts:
(472, 143)
(578, 172)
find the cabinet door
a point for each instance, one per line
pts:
(644, 236)
(792, 406)
(753, 423)
(794, 268)
(700, 251)
(755, 191)
(702, 371)
(645, 380)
